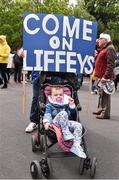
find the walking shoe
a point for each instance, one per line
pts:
(98, 112)
(96, 91)
(4, 87)
(92, 92)
(78, 150)
(102, 117)
(31, 127)
(67, 135)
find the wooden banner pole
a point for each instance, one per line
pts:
(24, 93)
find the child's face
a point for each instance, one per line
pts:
(57, 95)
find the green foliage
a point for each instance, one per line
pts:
(11, 15)
(80, 11)
(106, 12)
(56, 7)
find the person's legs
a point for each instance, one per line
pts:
(28, 74)
(100, 101)
(106, 101)
(76, 128)
(34, 112)
(19, 73)
(61, 120)
(92, 87)
(106, 104)
(116, 81)
(8, 74)
(15, 72)
(1, 81)
(76, 148)
(3, 68)
(34, 116)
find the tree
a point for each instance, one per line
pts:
(80, 11)
(11, 15)
(106, 13)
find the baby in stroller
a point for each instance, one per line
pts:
(59, 122)
(60, 111)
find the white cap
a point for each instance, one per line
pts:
(105, 36)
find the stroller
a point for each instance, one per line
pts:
(43, 140)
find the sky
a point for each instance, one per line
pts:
(72, 2)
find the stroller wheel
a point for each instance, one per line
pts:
(35, 170)
(46, 168)
(93, 168)
(81, 167)
(34, 143)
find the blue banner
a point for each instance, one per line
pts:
(58, 43)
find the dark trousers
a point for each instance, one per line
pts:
(116, 81)
(1, 81)
(104, 103)
(34, 113)
(3, 68)
(28, 74)
(17, 72)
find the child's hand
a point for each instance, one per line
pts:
(47, 125)
(71, 101)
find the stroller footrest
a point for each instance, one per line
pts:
(60, 154)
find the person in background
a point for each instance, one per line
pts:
(93, 84)
(9, 66)
(116, 72)
(4, 54)
(34, 112)
(104, 70)
(94, 89)
(29, 74)
(18, 64)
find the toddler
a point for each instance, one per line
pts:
(59, 111)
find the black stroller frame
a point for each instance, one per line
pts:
(39, 139)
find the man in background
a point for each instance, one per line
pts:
(104, 70)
